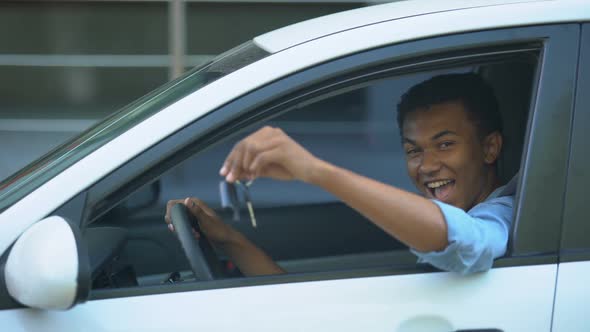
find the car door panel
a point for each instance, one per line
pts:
(572, 297)
(390, 303)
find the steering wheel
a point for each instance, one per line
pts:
(199, 252)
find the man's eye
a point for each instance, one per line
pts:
(446, 145)
(411, 152)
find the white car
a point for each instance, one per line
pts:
(85, 247)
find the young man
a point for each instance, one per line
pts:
(451, 133)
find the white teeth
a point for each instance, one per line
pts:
(437, 184)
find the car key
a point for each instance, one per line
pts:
(248, 201)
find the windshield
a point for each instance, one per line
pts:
(40, 171)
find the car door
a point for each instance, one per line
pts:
(516, 295)
(572, 296)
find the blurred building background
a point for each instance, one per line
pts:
(66, 64)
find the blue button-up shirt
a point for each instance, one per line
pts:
(475, 237)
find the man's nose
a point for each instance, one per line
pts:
(430, 163)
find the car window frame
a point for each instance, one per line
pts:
(535, 237)
(575, 242)
(556, 40)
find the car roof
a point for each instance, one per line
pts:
(316, 28)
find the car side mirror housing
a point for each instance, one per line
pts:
(48, 267)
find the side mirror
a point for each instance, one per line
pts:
(48, 268)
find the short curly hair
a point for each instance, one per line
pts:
(477, 97)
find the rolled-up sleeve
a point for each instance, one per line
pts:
(475, 237)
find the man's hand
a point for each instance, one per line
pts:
(219, 233)
(248, 258)
(269, 152)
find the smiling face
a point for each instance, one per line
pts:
(446, 158)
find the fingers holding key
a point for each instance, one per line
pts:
(237, 163)
(268, 152)
(270, 164)
(234, 163)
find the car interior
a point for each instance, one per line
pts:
(301, 227)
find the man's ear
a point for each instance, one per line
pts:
(492, 145)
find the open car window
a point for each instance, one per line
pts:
(302, 227)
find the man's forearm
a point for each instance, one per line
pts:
(249, 258)
(410, 218)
